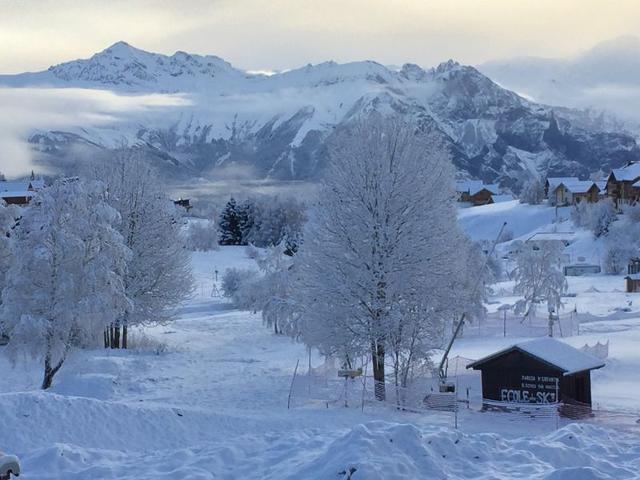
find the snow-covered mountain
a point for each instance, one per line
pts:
(605, 77)
(275, 126)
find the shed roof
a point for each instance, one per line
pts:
(633, 276)
(551, 351)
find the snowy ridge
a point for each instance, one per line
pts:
(277, 125)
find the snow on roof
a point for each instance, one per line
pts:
(13, 186)
(547, 236)
(633, 276)
(555, 181)
(580, 186)
(16, 194)
(554, 352)
(474, 186)
(628, 173)
(637, 184)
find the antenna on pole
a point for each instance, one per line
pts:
(442, 373)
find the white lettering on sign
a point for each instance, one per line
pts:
(525, 396)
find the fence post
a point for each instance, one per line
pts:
(295, 371)
(364, 385)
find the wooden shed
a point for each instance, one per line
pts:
(540, 371)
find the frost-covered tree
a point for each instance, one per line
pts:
(596, 217)
(202, 236)
(159, 274)
(66, 281)
(382, 244)
(539, 278)
(272, 220)
(532, 192)
(622, 243)
(231, 223)
(8, 217)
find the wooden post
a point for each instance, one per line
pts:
(295, 371)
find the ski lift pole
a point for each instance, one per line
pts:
(441, 371)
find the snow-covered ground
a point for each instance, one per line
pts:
(206, 398)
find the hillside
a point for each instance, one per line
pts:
(276, 126)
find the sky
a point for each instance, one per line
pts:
(282, 34)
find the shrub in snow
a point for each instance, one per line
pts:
(506, 235)
(234, 278)
(202, 236)
(532, 192)
(141, 342)
(375, 273)
(66, 282)
(632, 212)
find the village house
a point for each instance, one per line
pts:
(19, 192)
(623, 184)
(552, 183)
(540, 371)
(476, 192)
(574, 192)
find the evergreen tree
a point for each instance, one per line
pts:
(230, 224)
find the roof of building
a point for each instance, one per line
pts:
(16, 194)
(577, 186)
(547, 236)
(555, 181)
(553, 352)
(637, 184)
(13, 186)
(474, 186)
(628, 173)
(633, 276)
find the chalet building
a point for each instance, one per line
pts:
(552, 183)
(633, 266)
(633, 283)
(476, 192)
(540, 371)
(574, 192)
(19, 193)
(623, 184)
(184, 203)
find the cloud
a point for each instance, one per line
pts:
(27, 110)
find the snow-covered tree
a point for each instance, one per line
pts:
(596, 217)
(159, 274)
(268, 221)
(532, 192)
(539, 278)
(622, 243)
(66, 282)
(382, 246)
(202, 236)
(8, 216)
(231, 224)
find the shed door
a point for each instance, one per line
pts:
(581, 390)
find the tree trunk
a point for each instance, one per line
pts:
(116, 336)
(377, 359)
(106, 337)
(49, 371)
(124, 335)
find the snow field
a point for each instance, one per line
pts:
(212, 404)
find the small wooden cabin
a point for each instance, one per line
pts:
(633, 283)
(552, 183)
(540, 371)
